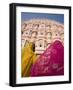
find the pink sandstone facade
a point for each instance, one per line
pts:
(41, 32)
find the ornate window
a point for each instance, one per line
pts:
(33, 34)
(41, 43)
(41, 33)
(42, 26)
(48, 27)
(26, 33)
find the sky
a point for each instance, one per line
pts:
(57, 17)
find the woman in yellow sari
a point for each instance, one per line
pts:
(28, 57)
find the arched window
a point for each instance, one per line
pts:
(41, 33)
(57, 34)
(41, 43)
(42, 26)
(26, 33)
(48, 27)
(33, 34)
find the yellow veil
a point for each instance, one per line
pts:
(28, 57)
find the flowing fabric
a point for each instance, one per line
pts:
(51, 62)
(27, 59)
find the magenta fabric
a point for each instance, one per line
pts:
(51, 62)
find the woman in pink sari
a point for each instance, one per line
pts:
(51, 62)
